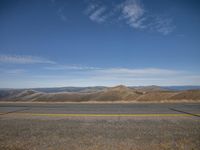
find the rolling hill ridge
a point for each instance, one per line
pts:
(100, 94)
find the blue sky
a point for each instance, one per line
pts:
(90, 42)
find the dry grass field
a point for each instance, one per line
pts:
(66, 134)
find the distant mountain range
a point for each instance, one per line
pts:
(100, 93)
(98, 88)
(182, 87)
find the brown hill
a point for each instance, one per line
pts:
(118, 93)
(156, 96)
(150, 88)
(187, 95)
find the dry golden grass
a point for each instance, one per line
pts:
(35, 134)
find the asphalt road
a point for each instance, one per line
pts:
(128, 109)
(37, 126)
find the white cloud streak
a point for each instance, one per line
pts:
(24, 59)
(79, 75)
(70, 67)
(133, 13)
(73, 75)
(92, 76)
(96, 14)
(138, 18)
(91, 7)
(61, 14)
(122, 73)
(125, 72)
(163, 25)
(12, 71)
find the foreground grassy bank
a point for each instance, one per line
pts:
(65, 134)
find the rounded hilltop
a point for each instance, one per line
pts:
(119, 87)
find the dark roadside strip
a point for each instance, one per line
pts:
(180, 111)
(19, 110)
(29, 107)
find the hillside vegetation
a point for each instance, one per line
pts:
(118, 93)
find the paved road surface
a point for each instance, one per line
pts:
(129, 109)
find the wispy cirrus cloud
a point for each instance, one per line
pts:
(80, 75)
(24, 59)
(70, 67)
(12, 71)
(98, 16)
(116, 76)
(61, 14)
(133, 13)
(139, 72)
(60, 10)
(115, 72)
(163, 25)
(55, 74)
(96, 12)
(138, 17)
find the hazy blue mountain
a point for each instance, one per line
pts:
(180, 88)
(70, 89)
